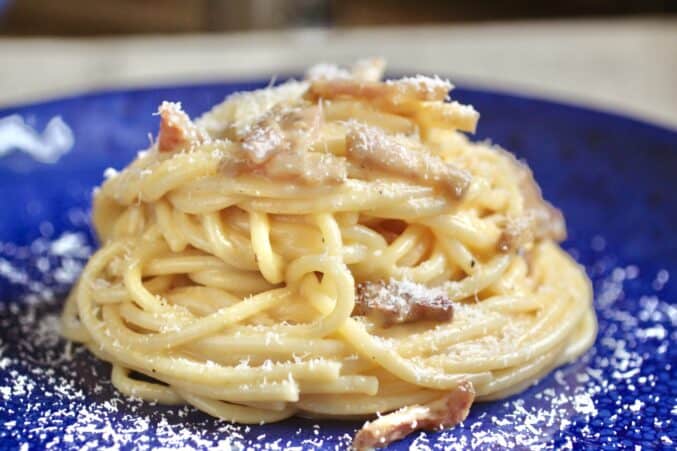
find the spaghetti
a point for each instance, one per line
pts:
(334, 247)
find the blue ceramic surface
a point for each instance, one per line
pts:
(613, 177)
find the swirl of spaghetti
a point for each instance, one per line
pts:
(335, 247)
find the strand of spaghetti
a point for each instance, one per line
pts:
(202, 301)
(520, 385)
(300, 273)
(546, 317)
(232, 280)
(236, 413)
(274, 345)
(524, 354)
(511, 304)
(131, 222)
(367, 385)
(176, 171)
(431, 268)
(422, 247)
(276, 406)
(193, 233)
(465, 227)
(172, 234)
(412, 208)
(202, 236)
(353, 254)
(354, 197)
(175, 318)
(251, 186)
(295, 239)
(71, 327)
(428, 377)
(142, 389)
(366, 236)
(337, 405)
(343, 110)
(125, 187)
(583, 339)
(402, 244)
(441, 338)
(199, 328)
(189, 202)
(458, 254)
(355, 365)
(178, 264)
(480, 279)
(331, 233)
(505, 379)
(270, 263)
(253, 391)
(132, 275)
(235, 253)
(115, 294)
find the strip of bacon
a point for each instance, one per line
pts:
(440, 414)
(401, 301)
(281, 129)
(278, 147)
(306, 168)
(264, 141)
(177, 131)
(371, 149)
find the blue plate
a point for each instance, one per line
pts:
(614, 178)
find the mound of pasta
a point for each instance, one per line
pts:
(333, 248)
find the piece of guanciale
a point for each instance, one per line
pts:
(401, 301)
(440, 414)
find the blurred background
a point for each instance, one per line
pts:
(612, 54)
(86, 17)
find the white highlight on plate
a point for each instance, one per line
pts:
(54, 142)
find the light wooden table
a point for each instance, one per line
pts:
(629, 66)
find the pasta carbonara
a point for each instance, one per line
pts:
(332, 248)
